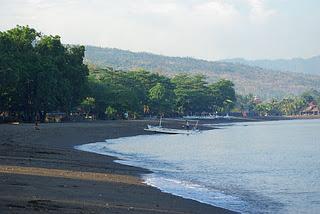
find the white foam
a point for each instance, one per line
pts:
(179, 187)
(194, 191)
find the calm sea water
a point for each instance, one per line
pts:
(263, 167)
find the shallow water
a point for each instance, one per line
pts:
(264, 167)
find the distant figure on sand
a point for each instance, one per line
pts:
(187, 125)
(36, 123)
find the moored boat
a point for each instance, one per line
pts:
(160, 129)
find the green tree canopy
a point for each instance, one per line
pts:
(39, 74)
(223, 94)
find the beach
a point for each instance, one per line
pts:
(41, 172)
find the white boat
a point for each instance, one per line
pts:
(195, 117)
(208, 117)
(160, 129)
(205, 117)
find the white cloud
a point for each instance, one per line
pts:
(216, 8)
(155, 7)
(259, 11)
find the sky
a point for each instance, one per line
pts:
(206, 29)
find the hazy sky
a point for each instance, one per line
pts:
(208, 29)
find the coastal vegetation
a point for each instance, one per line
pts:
(142, 93)
(291, 105)
(39, 75)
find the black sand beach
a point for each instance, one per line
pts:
(40, 172)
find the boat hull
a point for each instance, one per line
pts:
(158, 129)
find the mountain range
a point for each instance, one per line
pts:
(266, 83)
(299, 65)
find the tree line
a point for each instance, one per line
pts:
(38, 74)
(116, 94)
(290, 105)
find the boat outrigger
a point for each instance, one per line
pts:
(160, 129)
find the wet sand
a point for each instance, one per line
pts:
(40, 172)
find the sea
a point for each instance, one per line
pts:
(254, 167)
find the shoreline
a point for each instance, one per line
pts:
(33, 152)
(147, 178)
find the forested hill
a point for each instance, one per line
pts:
(300, 65)
(248, 79)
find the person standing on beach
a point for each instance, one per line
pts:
(36, 122)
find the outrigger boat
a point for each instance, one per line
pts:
(160, 129)
(207, 117)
